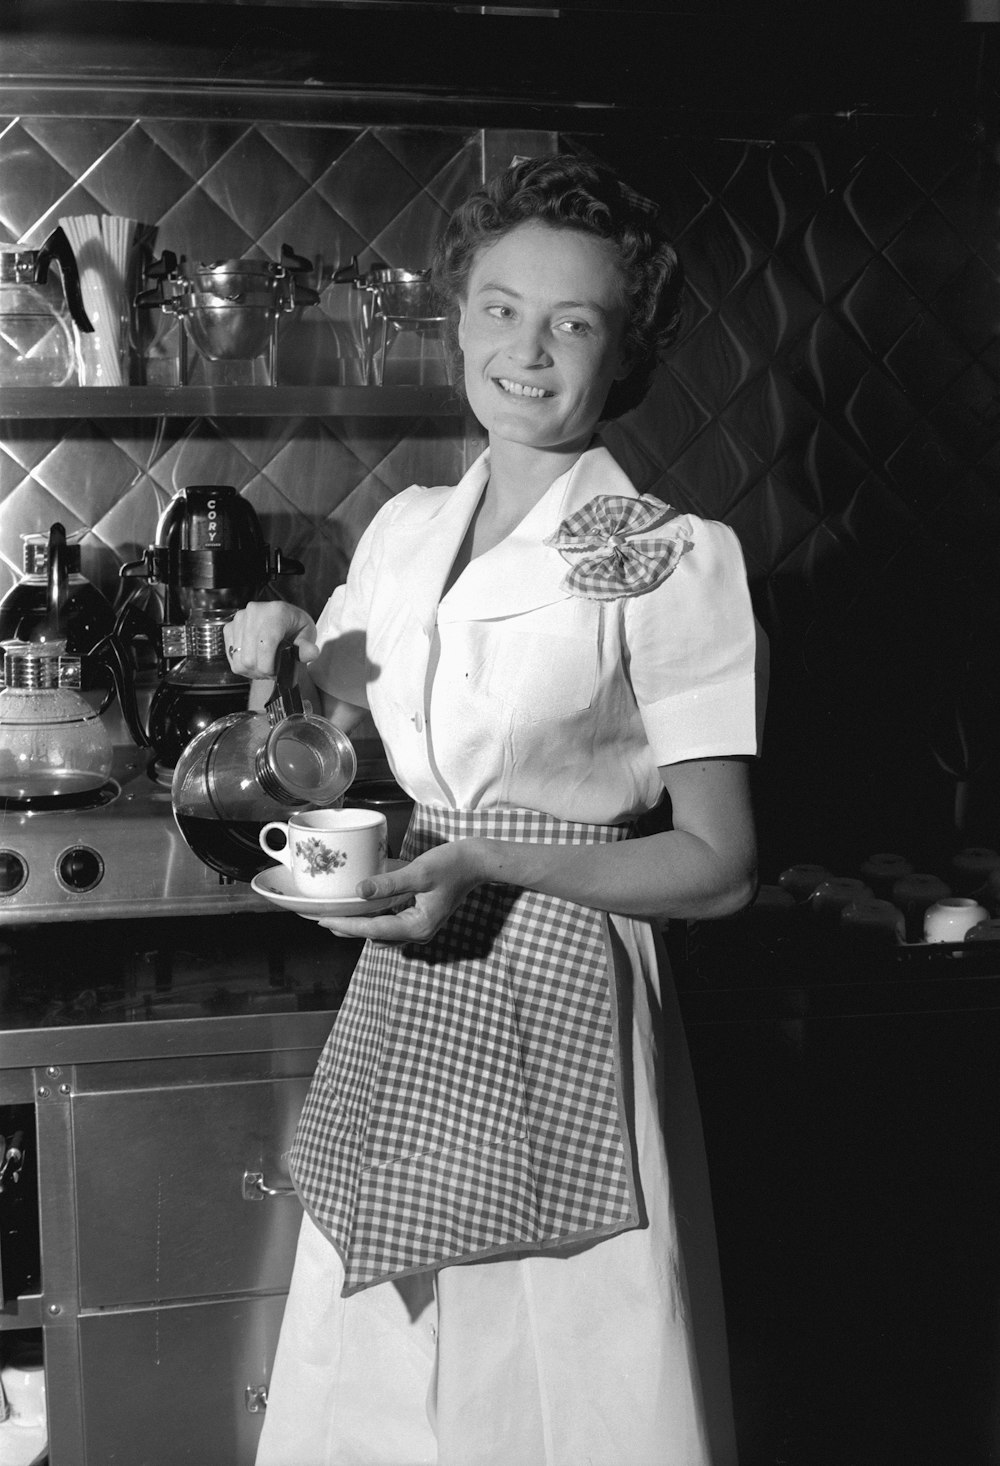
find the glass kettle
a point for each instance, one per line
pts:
(251, 767)
(54, 748)
(40, 315)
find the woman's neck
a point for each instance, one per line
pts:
(520, 476)
(517, 482)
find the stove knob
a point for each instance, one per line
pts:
(13, 872)
(80, 869)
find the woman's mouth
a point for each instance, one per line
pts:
(520, 389)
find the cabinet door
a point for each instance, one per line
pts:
(159, 1179)
(163, 1386)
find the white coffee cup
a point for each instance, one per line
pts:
(328, 851)
(949, 919)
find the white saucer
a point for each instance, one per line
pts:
(275, 884)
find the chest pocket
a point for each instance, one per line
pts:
(540, 675)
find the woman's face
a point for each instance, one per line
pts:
(541, 329)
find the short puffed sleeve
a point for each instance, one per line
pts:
(697, 658)
(342, 666)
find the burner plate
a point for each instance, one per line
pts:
(121, 856)
(94, 798)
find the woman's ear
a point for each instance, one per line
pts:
(626, 362)
(460, 333)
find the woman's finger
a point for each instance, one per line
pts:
(399, 882)
(408, 925)
(255, 633)
(308, 649)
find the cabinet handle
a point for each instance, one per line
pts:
(254, 1188)
(255, 1399)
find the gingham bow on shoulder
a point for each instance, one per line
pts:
(619, 547)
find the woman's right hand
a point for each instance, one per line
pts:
(254, 635)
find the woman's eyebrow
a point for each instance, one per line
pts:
(497, 285)
(580, 305)
(557, 305)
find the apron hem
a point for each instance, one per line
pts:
(505, 1252)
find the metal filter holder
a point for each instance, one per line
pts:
(229, 309)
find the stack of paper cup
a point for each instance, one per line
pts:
(102, 244)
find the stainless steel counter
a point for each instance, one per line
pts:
(156, 1069)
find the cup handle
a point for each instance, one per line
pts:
(285, 853)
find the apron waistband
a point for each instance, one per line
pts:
(432, 824)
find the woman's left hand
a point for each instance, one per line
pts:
(433, 886)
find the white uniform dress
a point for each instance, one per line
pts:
(518, 691)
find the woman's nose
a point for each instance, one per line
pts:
(528, 347)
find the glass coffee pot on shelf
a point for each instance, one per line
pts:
(252, 767)
(41, 315)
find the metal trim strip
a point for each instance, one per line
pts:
(171, 1038)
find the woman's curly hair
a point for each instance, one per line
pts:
(569, 193)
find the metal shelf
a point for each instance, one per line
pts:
(108, 402)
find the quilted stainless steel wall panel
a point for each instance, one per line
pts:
(834, 397)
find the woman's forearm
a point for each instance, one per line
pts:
(672, 874)
(705, 866)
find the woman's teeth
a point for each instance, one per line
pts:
(520, 390)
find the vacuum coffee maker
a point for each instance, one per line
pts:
(209, 559)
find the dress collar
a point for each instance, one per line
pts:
(519, 574)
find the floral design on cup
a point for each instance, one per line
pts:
(328, 851)
(318, 858)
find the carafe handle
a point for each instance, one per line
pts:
(286, 697)
(291, 261)
(347, 274)
(112, 653)
(109, 656)
(58, 577)
(57, 247)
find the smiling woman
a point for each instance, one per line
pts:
(542, 331)
(589, 203)
(508, 1254)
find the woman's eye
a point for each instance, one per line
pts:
(499, 312)
(574, 328)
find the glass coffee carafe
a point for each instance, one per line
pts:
(251, 767)
(40, 315)
(54, 748)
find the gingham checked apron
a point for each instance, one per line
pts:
(468, 1103)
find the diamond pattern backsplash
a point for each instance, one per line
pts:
(832, 396)
(217, 190)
